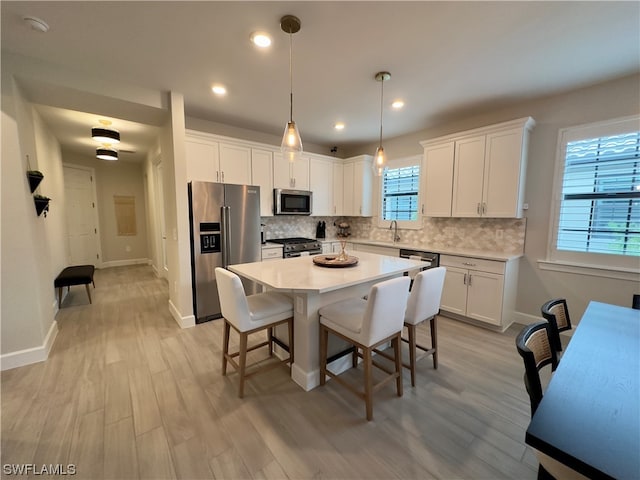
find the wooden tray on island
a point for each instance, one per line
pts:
(332, 261)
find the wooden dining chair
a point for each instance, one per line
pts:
(536, 349)
(247, 315)
(557, 314)
(635, 304)
(367, 324)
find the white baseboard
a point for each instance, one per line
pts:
(124, 263)
(184, 322)
(525, 319)
(30, 355)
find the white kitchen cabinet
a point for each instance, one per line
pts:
(380, 250)
(357, 188)
(321, 184)
(485, 176)
(290, 175)
(212, 161)
(479, 289)
(271, 252)
(437, 179)
(338, 189)
(235, 164)
(203, 160)
(262, 175)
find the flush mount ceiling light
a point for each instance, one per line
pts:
(219, 89)
(291, 143)
(104, 134)
(380, 159)
(260, 39)
(107, 154)
(36, 24)
(339, 126)
(397, 104)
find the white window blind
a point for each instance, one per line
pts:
(400, 188)
(600, 200)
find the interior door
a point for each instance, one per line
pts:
(83, 245)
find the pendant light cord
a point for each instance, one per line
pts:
(290, 76)
(381, 103)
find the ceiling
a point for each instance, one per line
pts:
(446, 59)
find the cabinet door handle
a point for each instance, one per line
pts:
(478, 208)
(484, 208)
(217, 176)
(222, 177)
(469, 280)
(423, 208)
(469, 264)
(464, 280)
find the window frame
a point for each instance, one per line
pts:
(595, 263)
(402, 224)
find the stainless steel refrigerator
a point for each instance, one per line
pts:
(225, 229)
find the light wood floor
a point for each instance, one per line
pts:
(128, 394)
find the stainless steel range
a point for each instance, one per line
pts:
(298, 246)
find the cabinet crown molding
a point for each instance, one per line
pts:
(526, 123)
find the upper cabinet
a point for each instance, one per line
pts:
(262, 175)
(478, 173)
(321, 184)
(290, 175)
(213, 161)
(357, 188)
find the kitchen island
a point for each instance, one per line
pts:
(313, 286)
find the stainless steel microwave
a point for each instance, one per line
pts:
(292, 202)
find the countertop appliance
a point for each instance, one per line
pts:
(292, 202)
(298, 246)
(224, 224)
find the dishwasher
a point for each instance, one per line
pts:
(430, 259)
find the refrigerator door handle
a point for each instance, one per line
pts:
(225, 216)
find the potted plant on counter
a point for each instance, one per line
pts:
(42, 204)
(35, 177)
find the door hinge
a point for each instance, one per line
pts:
(95, 230)
(97, 255)
(93, 205)
(91, 178)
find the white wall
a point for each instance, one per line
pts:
(600, 102)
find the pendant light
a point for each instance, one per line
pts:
(104, 134)
(291, 143)
(380, 159)
(107, 153)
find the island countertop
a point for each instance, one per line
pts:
(302, 275)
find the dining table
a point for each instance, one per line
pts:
(313, 285)
(589, 416)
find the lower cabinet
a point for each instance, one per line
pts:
(479, 289)
(363, 247)
(271, 252)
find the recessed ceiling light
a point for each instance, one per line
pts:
(219, 89)
(36, 24)
(339, 126)
(397, 104)
(260, 39)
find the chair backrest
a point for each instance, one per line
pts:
(557, 314)
(386, 305)
(424, 299)
(636, 301)
(535, 348)
(233, 300)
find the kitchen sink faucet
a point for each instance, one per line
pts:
(394, 225)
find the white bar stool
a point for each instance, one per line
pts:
(247, 315)
(367, 324)
(423, 305)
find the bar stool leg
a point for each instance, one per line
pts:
(225, 346)
(242, 362)
(291, 341)
(368, 382)
(397, 347)
(324, 340)
(434, 340)
(270, 340)
(412, 353)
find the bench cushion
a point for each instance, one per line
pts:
(75, 275)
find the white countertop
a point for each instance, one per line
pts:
(302, 275)
(488, 255)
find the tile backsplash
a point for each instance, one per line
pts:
(505, 235)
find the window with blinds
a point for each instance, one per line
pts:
(400, 188)
(600, 201)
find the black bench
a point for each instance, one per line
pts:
(74, 275)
